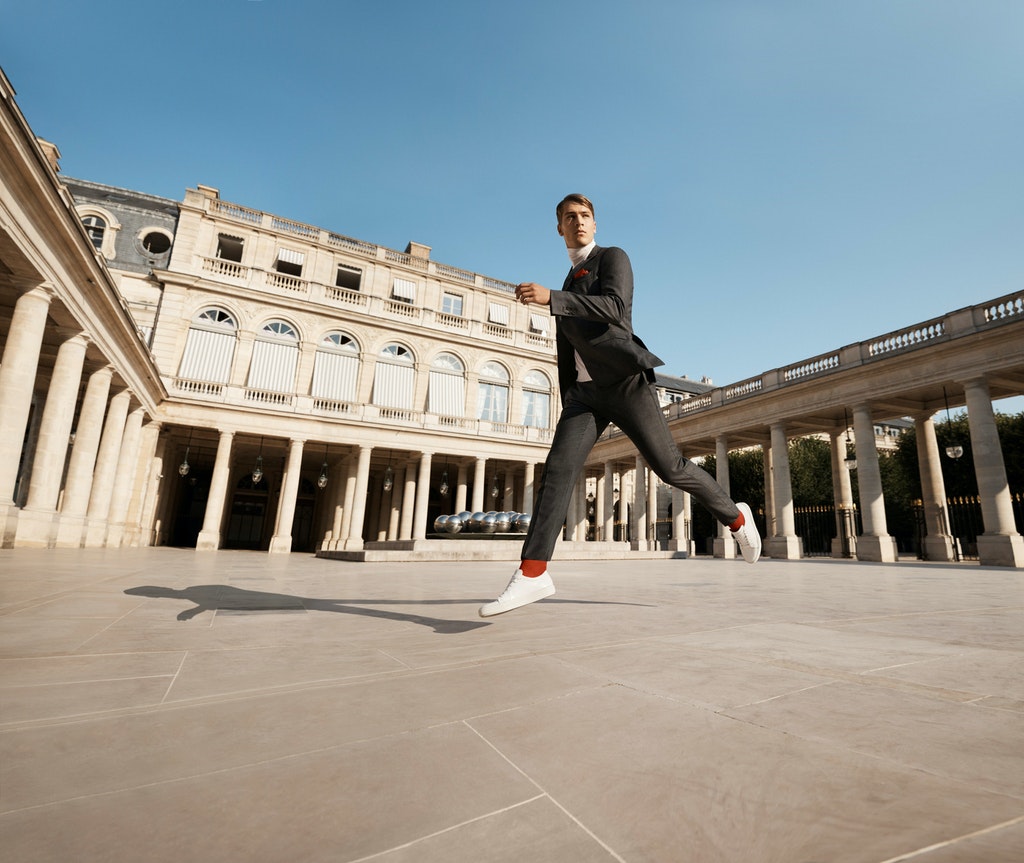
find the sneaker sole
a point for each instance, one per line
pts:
(529, 598)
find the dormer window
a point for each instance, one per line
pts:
(95, 227)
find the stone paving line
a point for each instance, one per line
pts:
(169, 705)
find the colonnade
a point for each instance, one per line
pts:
(109, 492)
(96, 501)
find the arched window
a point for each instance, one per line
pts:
(492, 394)
(209, 347)
(95, 227)
(336, 368)
(394, 377)
(447, 393)
(275, 354)
(537, 400)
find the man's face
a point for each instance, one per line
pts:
(576, 225)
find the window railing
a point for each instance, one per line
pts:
(220, 267)
(345, 296)
(284, 282)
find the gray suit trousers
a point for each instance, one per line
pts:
(588, 408)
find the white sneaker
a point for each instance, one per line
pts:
(520, 591)
(747, 537)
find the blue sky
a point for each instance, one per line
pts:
(787, 177)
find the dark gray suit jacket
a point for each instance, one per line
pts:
(594, 316)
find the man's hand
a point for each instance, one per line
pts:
(529, 292)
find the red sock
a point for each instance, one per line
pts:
(533, 568)
(736, 525)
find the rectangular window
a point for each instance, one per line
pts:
(451, 304)
(289, 262)
(539, 323)
(404, 290)
(498, 314)
(536, 409)
(229, 248)
(348, 277)
(492, 402)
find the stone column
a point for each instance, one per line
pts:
(607, 509)
(724, 545)
(147, 492)
(55, 428)
(785, 544)
(1000, 544)
(460, 489)
(419, 522)
(124, 478)
(83, 459)
(770, 520)
(528, 487)
(383, 510)
(938, 543)
(408, 503)
(652, 508)
(639, 520)
(874, 543)
(351, 478)
(394, 505)
(508, 499)
(845, 542)
(479, 482)
(213, 518)
(602, 491)
(336, 506)
(354, 539)
(581, 523)
(106, 469)
(18, 370)
(281, 541)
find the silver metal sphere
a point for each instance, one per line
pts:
(502, 522)
(522, 522)
(489, 524)
(476, 521)
(441, 524)
(454, 524)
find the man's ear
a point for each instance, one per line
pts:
(558, 227)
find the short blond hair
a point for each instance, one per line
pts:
(574, 198)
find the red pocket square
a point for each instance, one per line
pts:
(581, 274)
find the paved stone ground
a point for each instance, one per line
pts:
(168, 705)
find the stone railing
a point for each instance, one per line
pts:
(999, 312)
(292, 403)
(310, 233)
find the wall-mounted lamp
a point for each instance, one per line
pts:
(954, 450)
(321, 481)
(257, 471)
(185, 467)
(850, 461)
